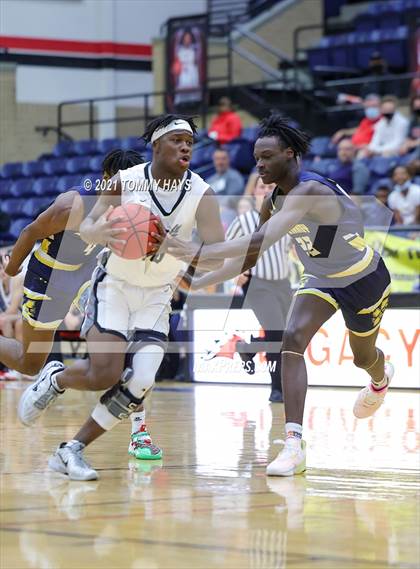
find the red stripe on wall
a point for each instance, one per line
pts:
(75, 46)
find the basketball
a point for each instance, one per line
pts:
(139, 222)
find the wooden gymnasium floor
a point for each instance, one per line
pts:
(209, 503)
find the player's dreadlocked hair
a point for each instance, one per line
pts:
(164, 120)
(120, 160)
(276, 125)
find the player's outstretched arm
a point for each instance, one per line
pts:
(65, 213)
(248, 249)
(252, 246)
(95, 228)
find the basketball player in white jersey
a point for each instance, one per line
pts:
(131, 299)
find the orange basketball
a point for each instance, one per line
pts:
(139, 222)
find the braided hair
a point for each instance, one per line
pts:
(290, 137)
(120, 160)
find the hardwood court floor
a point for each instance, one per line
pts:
(209, 503)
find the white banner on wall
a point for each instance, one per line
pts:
(329, 358)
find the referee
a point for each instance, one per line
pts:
(267, 292)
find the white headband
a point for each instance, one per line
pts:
(179, 124)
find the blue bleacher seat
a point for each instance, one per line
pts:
(407, 158)
(319, 145)
(13, 206)
(11, 170)
(378, 183)
(33, 169)
(108, 144)
(64, 149)
(394, 47)
(65, 183)
(390, 20)
(365, 22)
(45, 186)
(201, 134)
(381, 166)
(202, 155)
(241, 154)
(133, 143)
(17, 226)
(79, 164)
(86, 147)
(21, 188)
(323, 166)
(96, 163)
(4, 188)
(206, 171)
(250, 133)
(317, 57)
(55, 167)
(34, 206)
(93, 177)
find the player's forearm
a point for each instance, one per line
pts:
(231, 268)
(235, 248)
(208, 265)
(21, 250)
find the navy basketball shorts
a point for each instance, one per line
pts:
(44, 306)
(362, 303)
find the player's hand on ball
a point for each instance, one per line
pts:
(101, 232)
(159, 239)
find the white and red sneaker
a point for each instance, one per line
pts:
(370, 399)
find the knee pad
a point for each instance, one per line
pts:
(119, 401)
(115, 405)
(144, 356)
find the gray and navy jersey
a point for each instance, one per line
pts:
(335, 252)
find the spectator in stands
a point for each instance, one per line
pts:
(370, 208)
(362, 134)
(377, 68)
(226, 181)
(405, 197)
(353, 175)
(382, 194)
(244, 204)
(226, 125)
(413, 139)
(390, 132)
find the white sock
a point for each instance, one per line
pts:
(293, 431)
(54, 382)
(137, 420)
(381, 384)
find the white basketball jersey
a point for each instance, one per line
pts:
(175, 205)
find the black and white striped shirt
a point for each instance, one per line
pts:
(273, 265)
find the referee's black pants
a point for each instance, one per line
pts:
(270, 301)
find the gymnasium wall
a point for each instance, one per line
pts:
(55, 50)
